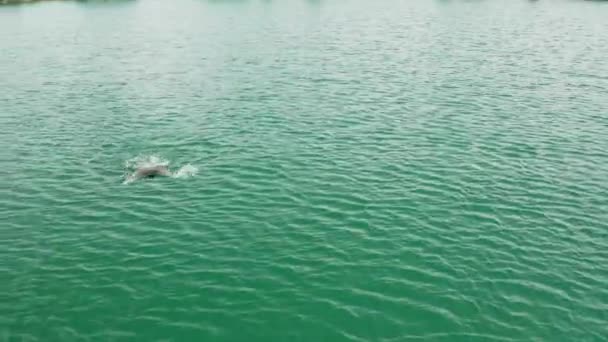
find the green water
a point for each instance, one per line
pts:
(367, 171)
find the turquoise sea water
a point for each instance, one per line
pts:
(346, 171)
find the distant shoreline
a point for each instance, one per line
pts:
(16, 2)
(21, 2)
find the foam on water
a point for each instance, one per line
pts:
(153, 160)
(146, 161)
(185, 171)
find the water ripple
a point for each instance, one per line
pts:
(366, 171)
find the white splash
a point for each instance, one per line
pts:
(185, 171)
(146, 161)
(151, 161)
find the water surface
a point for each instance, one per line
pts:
(367, 171)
